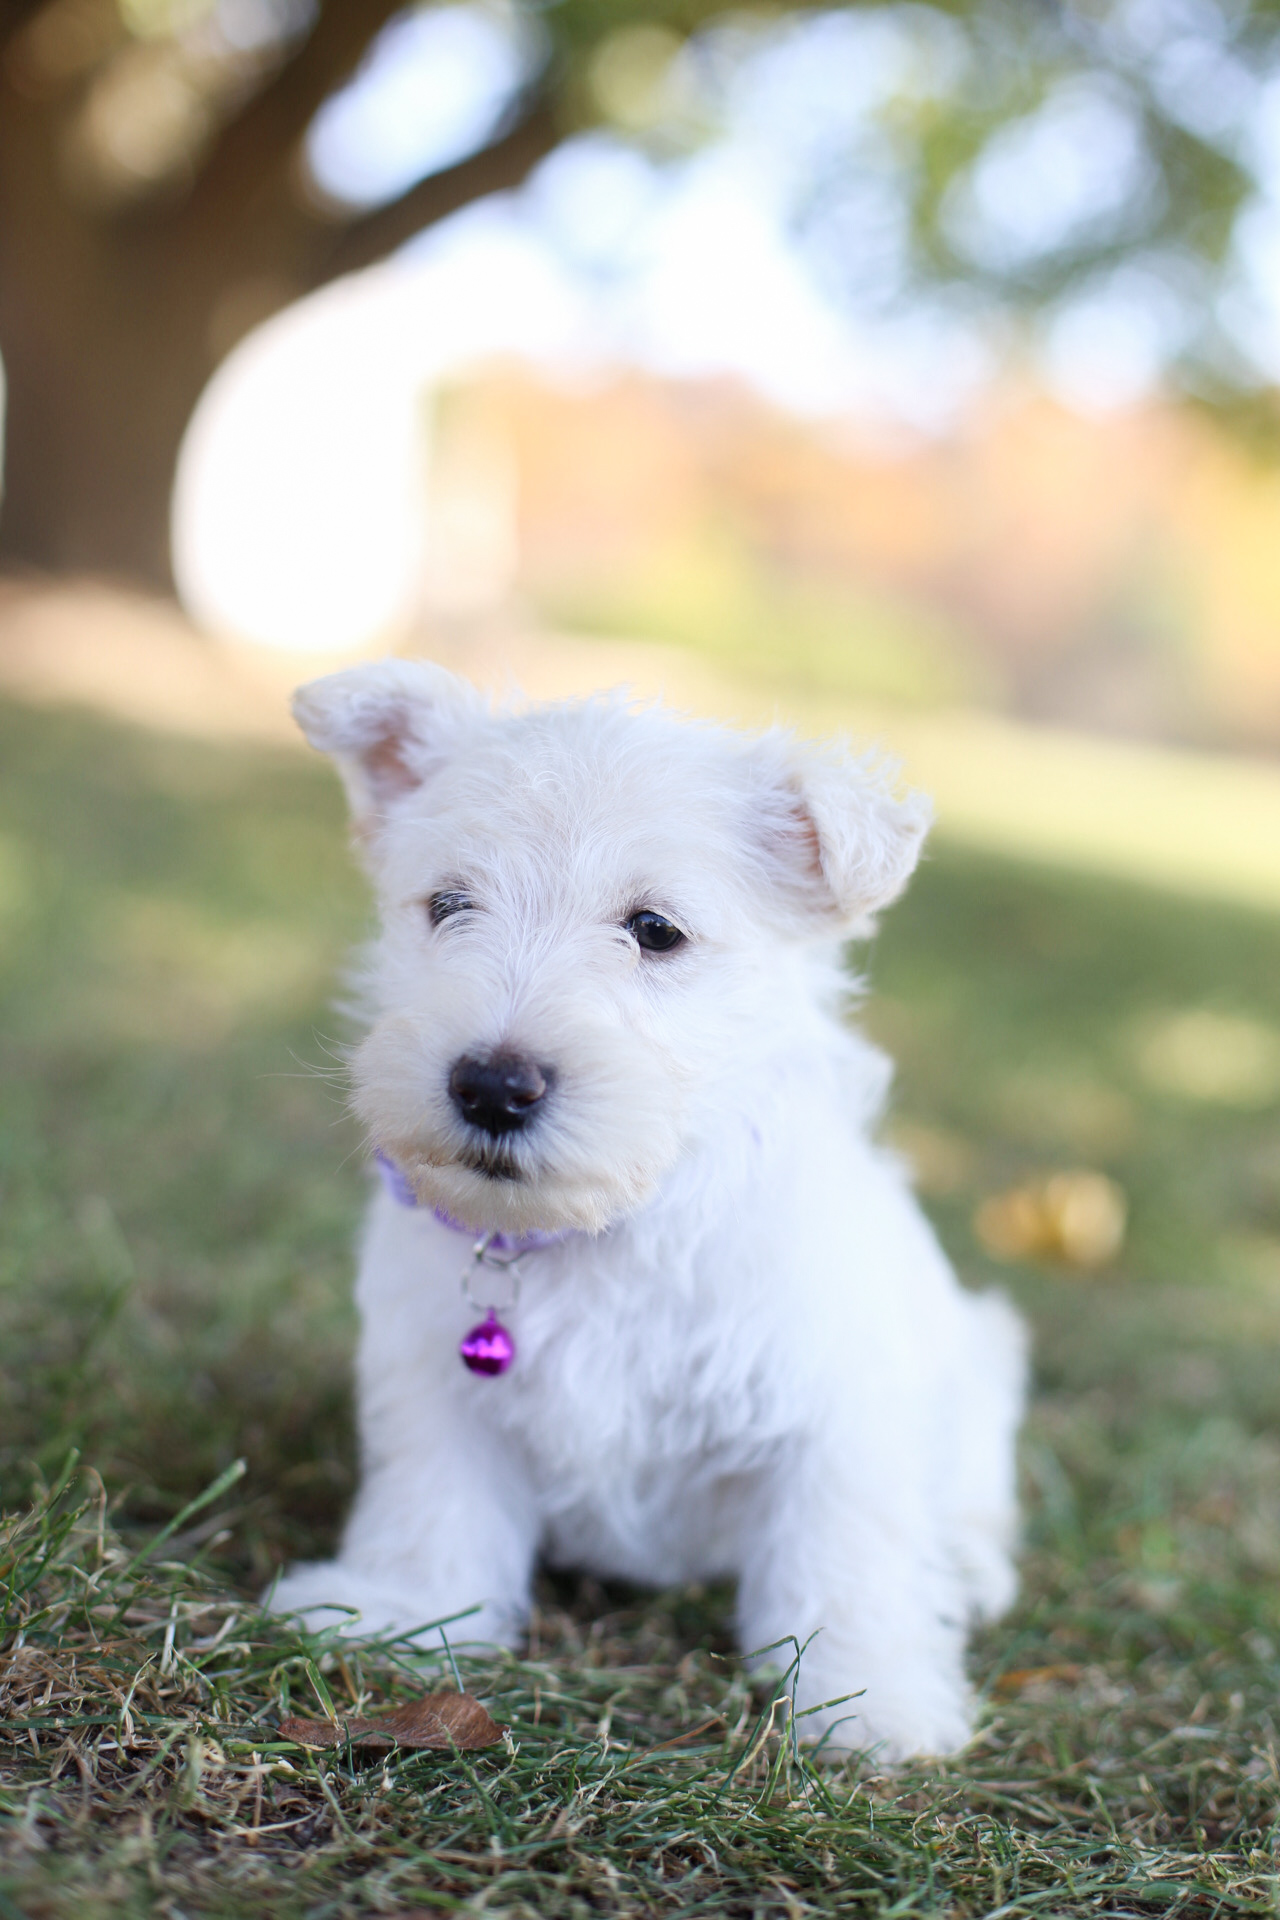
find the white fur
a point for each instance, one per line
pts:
(750, 1358)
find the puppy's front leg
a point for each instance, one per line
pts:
(443, 1522)
(860, 1568)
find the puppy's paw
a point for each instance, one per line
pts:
(328, 1594)
(324, 1594)
(912, 1726)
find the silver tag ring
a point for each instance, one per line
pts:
(483, 1256)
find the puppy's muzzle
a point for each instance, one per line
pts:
(499, 1095)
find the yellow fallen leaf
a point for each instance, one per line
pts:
(1077, 1219)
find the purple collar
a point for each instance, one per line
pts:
(397, 1185)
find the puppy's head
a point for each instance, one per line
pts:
(598, 930)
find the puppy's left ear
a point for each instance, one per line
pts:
(838, 837)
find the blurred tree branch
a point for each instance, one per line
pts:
(133, 255)
(504, 162)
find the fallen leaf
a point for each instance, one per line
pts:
(441, 1720)
(1075, 1218)
(1021, 1678)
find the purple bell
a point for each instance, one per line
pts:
(488, 1348)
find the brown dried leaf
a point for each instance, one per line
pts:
(440, 1720)
(1020, 1679)
(312, 1733)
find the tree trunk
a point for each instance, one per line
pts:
(102, 364)
(110, 327)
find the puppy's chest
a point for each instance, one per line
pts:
(634, 1372)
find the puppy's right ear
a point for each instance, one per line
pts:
(388, 725)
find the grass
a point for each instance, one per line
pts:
(178, 1190)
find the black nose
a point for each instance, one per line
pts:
(500, 1094)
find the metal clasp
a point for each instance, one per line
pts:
(484, 1254)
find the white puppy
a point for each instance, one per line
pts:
(605, 1027)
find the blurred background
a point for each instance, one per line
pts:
(903, 370)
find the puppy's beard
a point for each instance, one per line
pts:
(492, 1162)
(607, 1137)
(541, 1202)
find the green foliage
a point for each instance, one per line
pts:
(972, 79)
(179, 1193)
(711, 593)
(1015, 59)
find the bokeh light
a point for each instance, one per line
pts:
(431, 88)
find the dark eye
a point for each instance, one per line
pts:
(653, 933)
(443, 906)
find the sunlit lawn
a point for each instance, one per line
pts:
(180, 1187)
